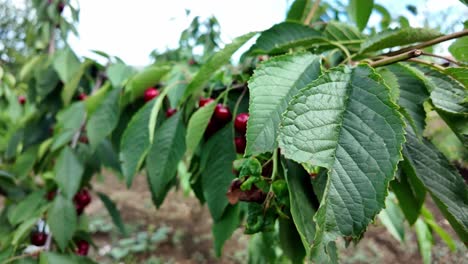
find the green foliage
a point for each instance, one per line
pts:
(359, 11)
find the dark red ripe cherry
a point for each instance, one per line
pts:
(38, 238)
(82, 96)
(170, 112)
(84, 139)
(222, 113)
(240, 123)
(150, 93)
(240, 144)
(204, 101)
(82, 247)
(79, 208)
(51, 195)
(60, 7)
(22, 99)
(192, 62)
(82, 197)
(212, 127)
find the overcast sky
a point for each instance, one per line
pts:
(132, 29)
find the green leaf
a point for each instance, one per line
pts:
(66, 64)
(164, 155)
(441, 179)
(68, 172)
(302, 209)
(62, 221)
(410, 194)
(447, 94)
(460, 74)
(23, 230)
(118, 73)
(343, 33)
(46, 79)
(104, 119)
(70, 87)
(135, 142)
(216, 167)
(272, 86)
(412, 95)
(262, 248)
(459, 49)
(25, 162)
(431, 222)
(359, 11)
(54, 258)
(393, 219)
(284, 36)
(113, 211)
(137, 85)
(155, 112)
(69, 121)
(214, 63)
(424, 235)
(343, 121)
(27, 208)
(197, 125)
(224, 227)
(398, 37)
(297, 10)
(290, 241)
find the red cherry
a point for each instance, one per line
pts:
(170, 112)
(60, 7)
(212, 127)
(204, 101)
(79, 209)
(240, 143)
(82, 96)
(82, 198)
(192, 62)
(240, 123)
(82, 247)
(38, 238)
(150, 93)
(222, 113)
(84, 139)
(22, 99)
(51, 195)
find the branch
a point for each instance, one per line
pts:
(441, 57)
(429, 43)
(51, 49)
(435, 65)
(311, 13)
(400, 57)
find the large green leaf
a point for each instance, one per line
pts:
(284, 36)
(135, 142)
(46, 79)
(113, 211)
(27, 208)
(343, 33)
(441, 179)
(398, 37)
(214, 63)
(302, 209)
(104, 119)
(164, 155)
(290, 241)
(224, 227)
(66, 64)
(62, 221)
(424, 235)
(68, 172)
(359, 11)
(459, 49)
(22, 230)
(458, 73)
(272, 86)
(69, 121)
(216, 167)
(345, 121)
(137, 85)
(412, 95)
(118, 73)
(70, 87)
(197, 126)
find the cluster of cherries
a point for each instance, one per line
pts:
(221, 116)
(81, 199)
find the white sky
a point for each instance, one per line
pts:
(132, 29)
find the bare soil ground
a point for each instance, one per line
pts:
(190, 239)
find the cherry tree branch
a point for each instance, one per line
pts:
(393, 59)
(312, 12)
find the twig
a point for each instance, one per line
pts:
(51, 48)
(429, 43)
(441, 57)
(427, 63)
(400, 57)
(311, 13)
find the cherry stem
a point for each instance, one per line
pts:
(441, 57)
(427, 63)
(393, 59)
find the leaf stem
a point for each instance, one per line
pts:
(311, 13)
(393, 59)
(429, 43)
(441, 57)
(427, 63)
